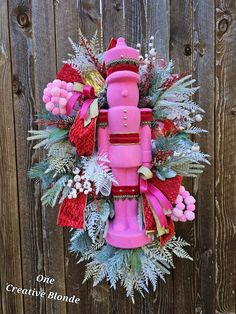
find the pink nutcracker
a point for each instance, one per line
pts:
(127, 143)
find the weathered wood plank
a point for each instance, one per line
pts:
(203, 69)
(45, 71)
(29, 206)
(113, 15)
(158, 25)
(181, 53)
(225, 162)
(10, 262)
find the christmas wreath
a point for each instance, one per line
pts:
(117, 136)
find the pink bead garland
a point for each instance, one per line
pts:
(56, 95)
(184, 206)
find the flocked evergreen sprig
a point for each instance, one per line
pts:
(134, 269)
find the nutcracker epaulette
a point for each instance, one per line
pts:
(102, 120)
(146, 117)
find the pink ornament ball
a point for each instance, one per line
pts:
(55, 91)
(185, 194)
(55, 99)
(47, 91)
(191, 207)
(182, 189)
(69, 96)
(70, 87)
(62, 102)
(179, 199)
(174, 218)
(63, 93)
(189, 215)
(180, 206)
(189, 200)
(63, 85)
(63, 111)
(177, 212)
(50, 85)
(56, 111)
(57, 83)
(183, 218)
(49, 106)
(46, 98)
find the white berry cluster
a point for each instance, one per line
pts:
(151, 55)
(78, 185)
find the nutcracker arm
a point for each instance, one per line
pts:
(145, 137)
(103, 132)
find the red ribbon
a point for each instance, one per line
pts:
(87, 92)
(157, 199)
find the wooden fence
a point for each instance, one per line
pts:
(200, 35)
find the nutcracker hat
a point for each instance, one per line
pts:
(121, 58)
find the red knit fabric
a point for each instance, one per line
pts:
(71, 212)
(169, 187)
(69, 75)
(166, 237)
(150, 224)
(83, 138)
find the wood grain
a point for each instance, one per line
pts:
(44, 43)
(10, 245)
(225, 162)
(204, 241)
(181, 24)
(23, 76)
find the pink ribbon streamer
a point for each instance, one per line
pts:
(157, 200)
(88, 92)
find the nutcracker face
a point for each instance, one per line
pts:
(123, 89)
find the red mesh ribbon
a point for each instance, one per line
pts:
(69, 75)
(124, 138)
(169, 187)
(71, 212)
(157, 197)
(166, 237)
(149, 221)
(83, 138)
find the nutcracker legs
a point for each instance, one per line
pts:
(124, 230)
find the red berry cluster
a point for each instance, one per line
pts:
(172, 79)
(161, 156)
